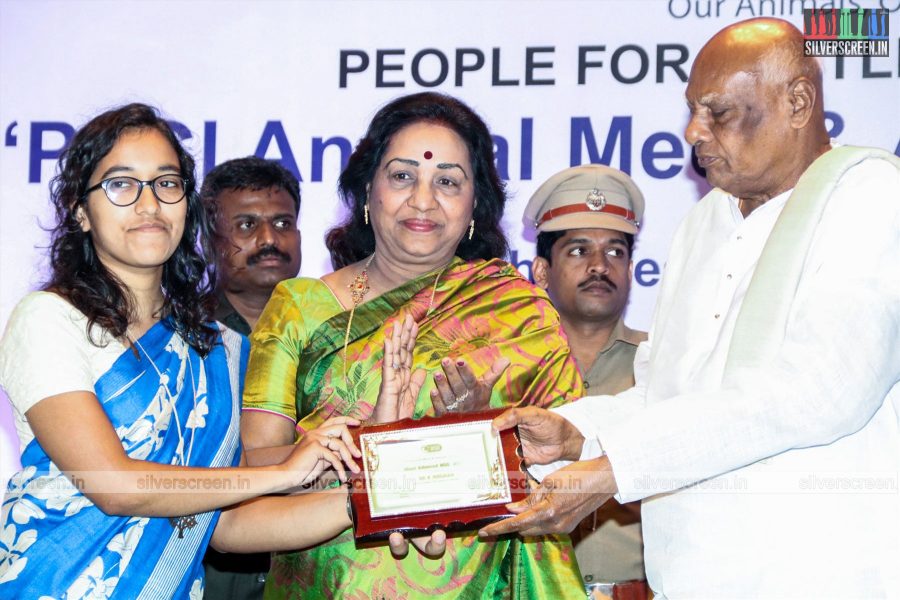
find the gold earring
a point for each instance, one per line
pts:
(471, 228)
(366, 213)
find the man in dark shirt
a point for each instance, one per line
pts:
(252, 205)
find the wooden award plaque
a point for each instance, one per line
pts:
(449, 472)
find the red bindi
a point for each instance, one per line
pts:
(428, 155)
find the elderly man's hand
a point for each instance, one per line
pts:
(563, 499)
(544, 436)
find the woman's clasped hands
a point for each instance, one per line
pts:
(457, 389)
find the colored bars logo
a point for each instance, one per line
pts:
(845, 32)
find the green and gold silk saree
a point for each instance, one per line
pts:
(477, 311)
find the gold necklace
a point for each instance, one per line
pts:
(359, 287)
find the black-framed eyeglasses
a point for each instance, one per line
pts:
(125, 191)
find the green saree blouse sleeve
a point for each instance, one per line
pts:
(296, 306)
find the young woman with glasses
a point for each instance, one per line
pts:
(127, 396)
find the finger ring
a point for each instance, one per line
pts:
(395, 366)
(458, 400)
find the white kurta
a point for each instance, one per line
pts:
(785, 484)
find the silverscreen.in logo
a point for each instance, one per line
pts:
(845, 32)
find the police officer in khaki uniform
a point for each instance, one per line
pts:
(586, 218)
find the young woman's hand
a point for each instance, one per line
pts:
(329, 445)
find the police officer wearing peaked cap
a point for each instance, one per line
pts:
(587, 196)
(586, 218)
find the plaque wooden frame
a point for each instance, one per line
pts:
(370, 529)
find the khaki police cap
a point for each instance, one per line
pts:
(589, 196)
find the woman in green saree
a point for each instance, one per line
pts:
(422, 240)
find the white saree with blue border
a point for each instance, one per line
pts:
(55, 543)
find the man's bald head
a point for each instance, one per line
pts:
(770, 48)
(757, 114)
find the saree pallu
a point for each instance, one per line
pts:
(476, 311)
(55, 543)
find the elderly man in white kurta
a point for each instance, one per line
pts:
(766, 440)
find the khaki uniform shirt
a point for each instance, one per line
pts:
(608, 543)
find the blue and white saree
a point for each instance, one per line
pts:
(55, 543)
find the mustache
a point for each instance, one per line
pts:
(268, 251)
(599, 278)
